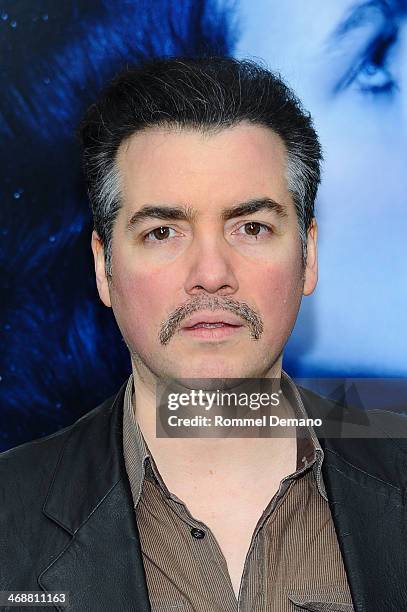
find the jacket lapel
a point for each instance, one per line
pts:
(365, 480)
(101, 568)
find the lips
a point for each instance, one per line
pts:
(212, 320)
(211, 325)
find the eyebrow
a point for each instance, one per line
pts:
(187, 213)
(362, 12)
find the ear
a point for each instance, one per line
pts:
(100, 270)
(311, 267)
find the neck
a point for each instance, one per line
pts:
(185, 455)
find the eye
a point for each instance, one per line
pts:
(159, 234)
(371, 73)
(254, 228)
(375, 79)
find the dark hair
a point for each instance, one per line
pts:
(206, 94)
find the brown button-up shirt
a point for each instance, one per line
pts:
(293, 562)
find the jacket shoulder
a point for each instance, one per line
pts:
(29, 540)
(373, 441)
(380, 423)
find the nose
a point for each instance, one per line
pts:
(211, 267)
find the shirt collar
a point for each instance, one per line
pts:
(291, 391)
(134, 446)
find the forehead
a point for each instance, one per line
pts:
(236, 162)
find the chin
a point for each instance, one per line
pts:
(218, 370)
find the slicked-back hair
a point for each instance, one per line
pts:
(207, 94)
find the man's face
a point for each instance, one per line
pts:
(246, 269)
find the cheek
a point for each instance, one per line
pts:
(281, 294)
(138, 300)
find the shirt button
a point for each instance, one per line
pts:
(197, 533)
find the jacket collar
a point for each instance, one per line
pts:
(79, 486)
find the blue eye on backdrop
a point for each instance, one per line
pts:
(371, 73)
(372, 70)
(375, 79)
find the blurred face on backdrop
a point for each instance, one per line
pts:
(228, 253)
(347, 62)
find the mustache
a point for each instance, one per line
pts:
(250, 318)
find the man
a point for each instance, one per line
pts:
(202, 175)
